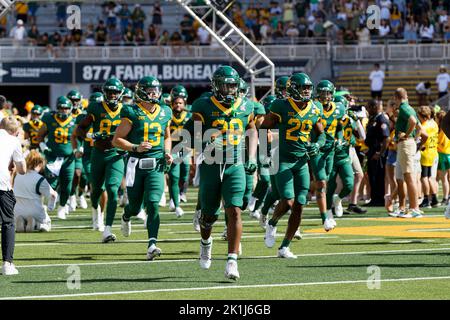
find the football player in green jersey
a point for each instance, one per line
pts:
(107, 164)
(297, 118)
(76, 97)
(60, 168)
(127, 97)
(145, 133)
(225, 116)
(180, 92)
(322, 163)
(180, 116)
(31, 128)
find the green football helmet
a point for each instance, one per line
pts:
(165, 99)
(299, 87)
(244, 88)
(225, 84)
(280, 87)
(178, 92)
(63, 103)
(343, 100)
(96, 97)
(325, 91)
(37, 110)
(268, 100)
(112, 91)
(75, 96)
(128, 96)
(148, 89)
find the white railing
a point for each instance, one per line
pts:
(341, 53)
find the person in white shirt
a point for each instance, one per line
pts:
(423, 90)
(30, 213)
(426, 31)
(18, 33)
(11, 158)
(203, 36)
(376, 82)
(442, 80)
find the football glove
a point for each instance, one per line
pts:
(100, 136)
(250, 166)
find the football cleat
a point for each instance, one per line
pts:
(171, 205)
(298, 235)
(416, 214)
(338, 210)
(9, 269)
(162, 202)
(269, 239)
(263, 221)
(252, 203)
(72, 203)
(183, 197)
(404, 215)
(196, 220)
(231, 270)
(82, 202)
(125, 227)
(142, 215)
(108, 236)
(205, 254)
(285, 252)
(329, 224)
(179, 212)
(153, 252)
(62, 212)
(254, 214)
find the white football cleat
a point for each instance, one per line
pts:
(205, 254)
(196, 220)
(262, 221)
(82, 202)
(338, 210)
(329, 224)
(142, 215)
(72, 203)
(179, 212)
(252, 203)
(231, 270)
(62, 212)
(153, 252)
(162, 202)
(9, 269)
(108, 236)
(171, 205)
(183, 197)
(447, 212)
(285, 252)
(125, 227)
(298, 235)
(20, 223)
(254, 214)
(44, 227)
(123, 200)
(31, 224)
(271, 233)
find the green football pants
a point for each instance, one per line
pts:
(64, 180)
(344, 169)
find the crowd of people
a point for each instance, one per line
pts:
(122, 147)
(276, 22)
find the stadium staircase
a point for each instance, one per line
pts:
(358, 83)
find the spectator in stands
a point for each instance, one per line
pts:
(442, 81)
(22, 11)
(442, 20)
(164, 39)
(292, 32)
(90, 35)
(138, 17)
(129, 36)
(67, 40)
(3, 24)
(152, 32)
(447, 31)
(363, 36)
(265, 32)
(376, 78)
(237, 17)
(204, 38)
(186, 28)
(33, 35)
(176, 41)
(77, 36)
(33, 6)
(423, 91)
(426, 31)
(288, 12)
(114, 35)
(278, 33)
(124, 15)
(314, 5)
(410, 30)
(385, 13)
(396, 20)
(101, 34)
(111, 14)
(139, 37)
(61, 12)
(18, 33)
(157, 15)
(384, 29)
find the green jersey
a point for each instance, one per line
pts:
(295, 126)
(258, 108)
(177, 124)
(147, 126)
(105, 120)
(32, 129)
(59, 132)
(331, 121)
(231, 122)
(347, 135)
(88, 143)
(188, 108)
(405, 111)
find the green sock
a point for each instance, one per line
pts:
(323, 215)
(232, 256)
(285, 243)
(273, 223)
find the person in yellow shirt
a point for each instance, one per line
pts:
(429, 158)
(443, 148)
(391, 160)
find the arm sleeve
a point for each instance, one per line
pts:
(17, 155)
(45, 189)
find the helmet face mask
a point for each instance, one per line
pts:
(178, 92)
(325, 96)
(280, 87)
(225, 84)
(63, 107)
(112, 91)
(243, 89)
(148, 90)
(299, 87)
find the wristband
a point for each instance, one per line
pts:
(134, 148)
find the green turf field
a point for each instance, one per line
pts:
(412, 257)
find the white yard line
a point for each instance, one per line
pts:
(271, 285)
